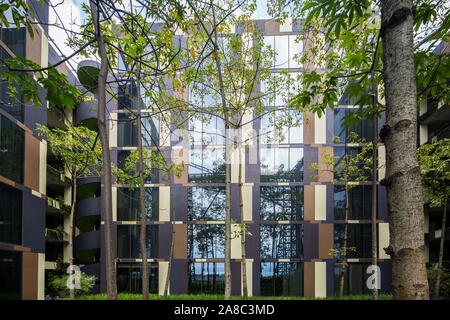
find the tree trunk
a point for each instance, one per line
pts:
(143, 234)
(227, 172)
(243, 229)
(403, 179)
(344, 252)
(72, 231)
(172, 244)
(374, 184)
(110, 253)
(441, 246)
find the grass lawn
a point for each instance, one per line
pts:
(133, 296)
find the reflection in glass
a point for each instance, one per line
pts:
(281, 203)
(281, 126)
(281, 164)
(282, 279)
(295, 52)
(358, 237)
(122, 156)
(128, 241)
(206, 277)
(206, 241)
(281, 241)
(206, 203)
(360, 202)
(355, 279)
(127, 135)
(363, 129)
(129, 278)
(281, 51)
(128, 204)
(206, 165)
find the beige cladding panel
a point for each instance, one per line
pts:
(247, 192)
(44, 52)
(163, 267)
(272, 27)
(33, 47)
(320, 279)
(43, 167)
(235, 161)
(236, 252)
(308, 131)
(41, 276)
(320, 202)
(325, 172)
(114, 202)
(320, 129)
(164, 203)
(164, 129)
(113, 124)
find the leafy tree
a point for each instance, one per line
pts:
(59, 285)
(345, 44)
(78, 150)
(434, 160)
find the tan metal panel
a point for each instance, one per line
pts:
(309, 201)
(30, 268)
(32, 162)
(180, 246)
(326, 240)
(309, 278)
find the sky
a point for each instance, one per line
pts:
(69, 14)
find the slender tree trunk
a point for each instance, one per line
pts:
(441, 246)
(374, 184)
(403, 178)
(344, 253)
(72, 230)
(143, 234)
(110, 252)
(243, 229)
(172, 244)
(227, 172)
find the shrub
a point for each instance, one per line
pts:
(59, 285)
(444, 290)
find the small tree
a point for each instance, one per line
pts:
(349, 171)
(78, 149)
(434, 160)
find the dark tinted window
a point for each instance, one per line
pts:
(12, 142)
(354, 281)
(360, 202)
(129, 278)
(128, 204)
(128, 237)
(127, 134)
(363, 128)
(281, 279)
(10, 214)
(10, 275)
(358, 237)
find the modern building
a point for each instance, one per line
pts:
(434, 125)
(294, 221)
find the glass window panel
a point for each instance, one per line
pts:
(206, 203)
(269, 41)
(11, 210)
(354, 280)
(207, 165)
(12, 142)
(281, 279)
(295, 52)
(360, 202)
(281, 164)
(206, 277)
(206, 241)
(358, 237)
(281, 51)
(128, 204)
(11, 275)
(128, 241)
(281, 241)
(129, 278)
(281, 203)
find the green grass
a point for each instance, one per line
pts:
(133, 296)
